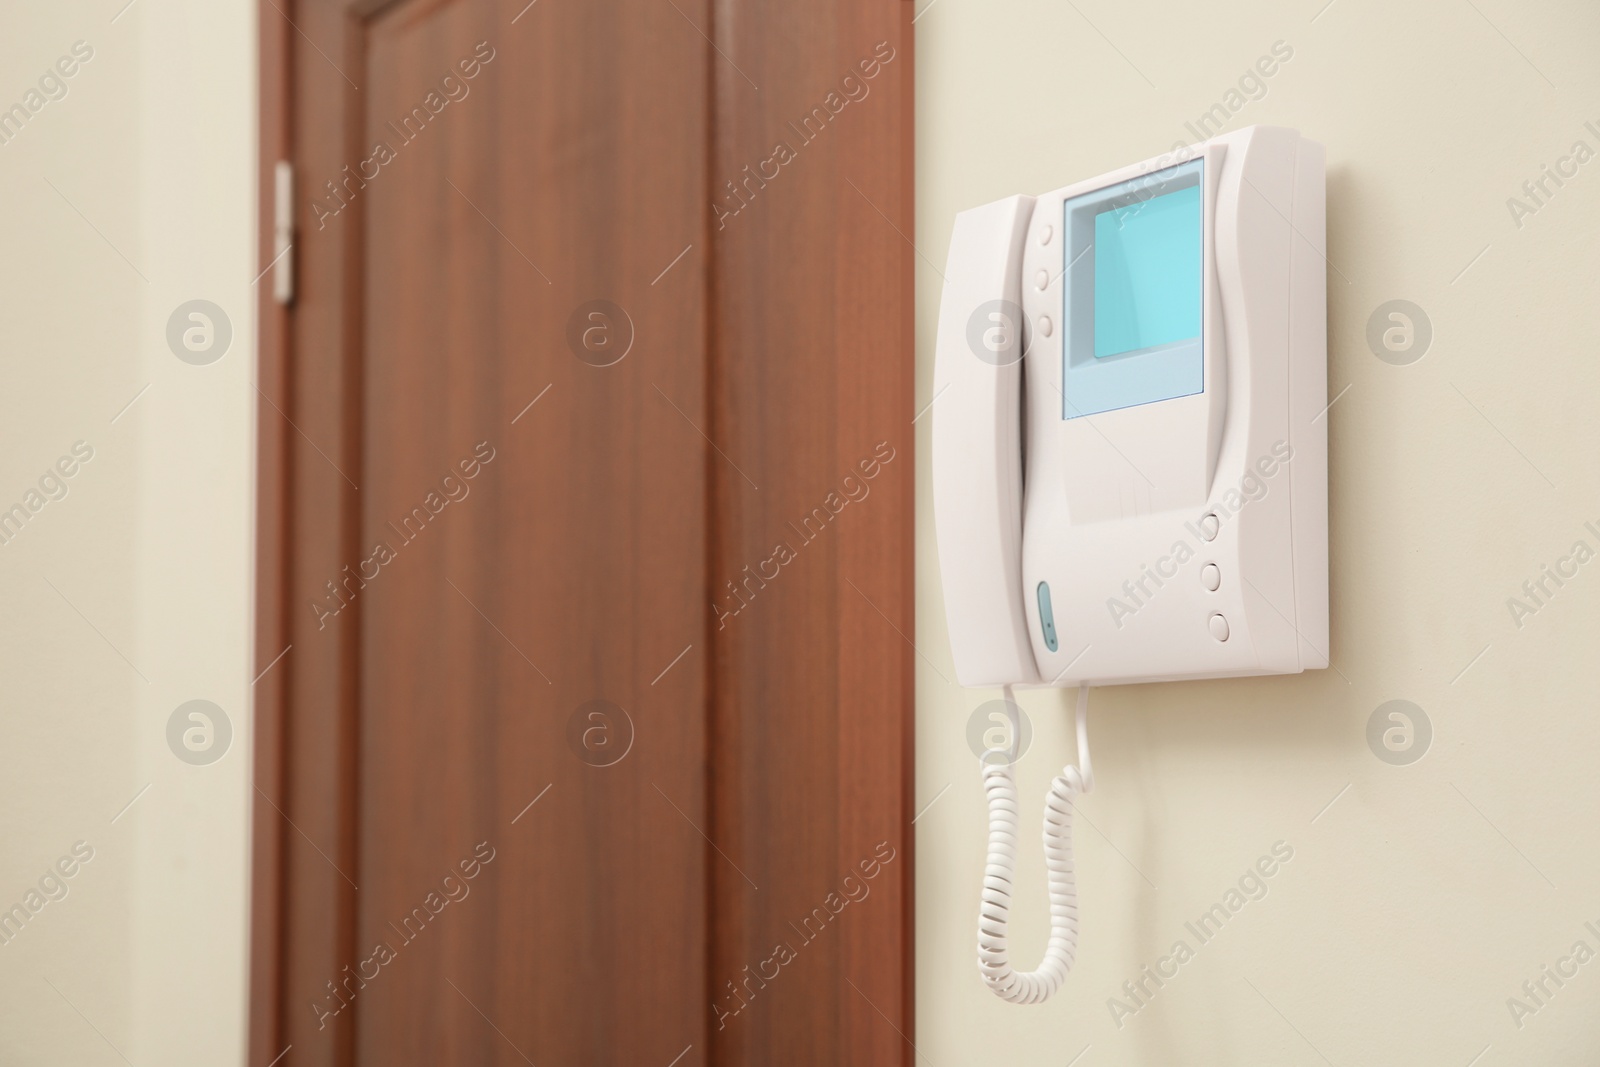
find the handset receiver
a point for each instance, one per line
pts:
(977, 445)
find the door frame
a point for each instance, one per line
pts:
(269, 691)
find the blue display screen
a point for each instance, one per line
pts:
(1133, 292)
(1147, 273)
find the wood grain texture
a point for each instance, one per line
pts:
(268, 829)
(570, 569)
(810, 379)
(448, 632)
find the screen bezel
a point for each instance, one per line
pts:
(1120, 381)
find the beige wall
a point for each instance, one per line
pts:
(1421, 900)
(130, 595)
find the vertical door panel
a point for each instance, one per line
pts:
(466, 182)
(811, 385)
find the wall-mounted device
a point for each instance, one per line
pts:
(1129, 451)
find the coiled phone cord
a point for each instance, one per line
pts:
(1031, 987)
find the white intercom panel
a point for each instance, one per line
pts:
(1129, 441)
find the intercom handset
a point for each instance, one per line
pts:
(1129, 453)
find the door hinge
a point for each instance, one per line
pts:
(283, 232)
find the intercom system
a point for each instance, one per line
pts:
(1129, 451)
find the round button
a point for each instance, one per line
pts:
(1209, 526)
(1042, 280)
(1219, 627)
(1044, 234)
(1045, 326)
(1211, 578)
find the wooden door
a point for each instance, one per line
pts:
(560, 759)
